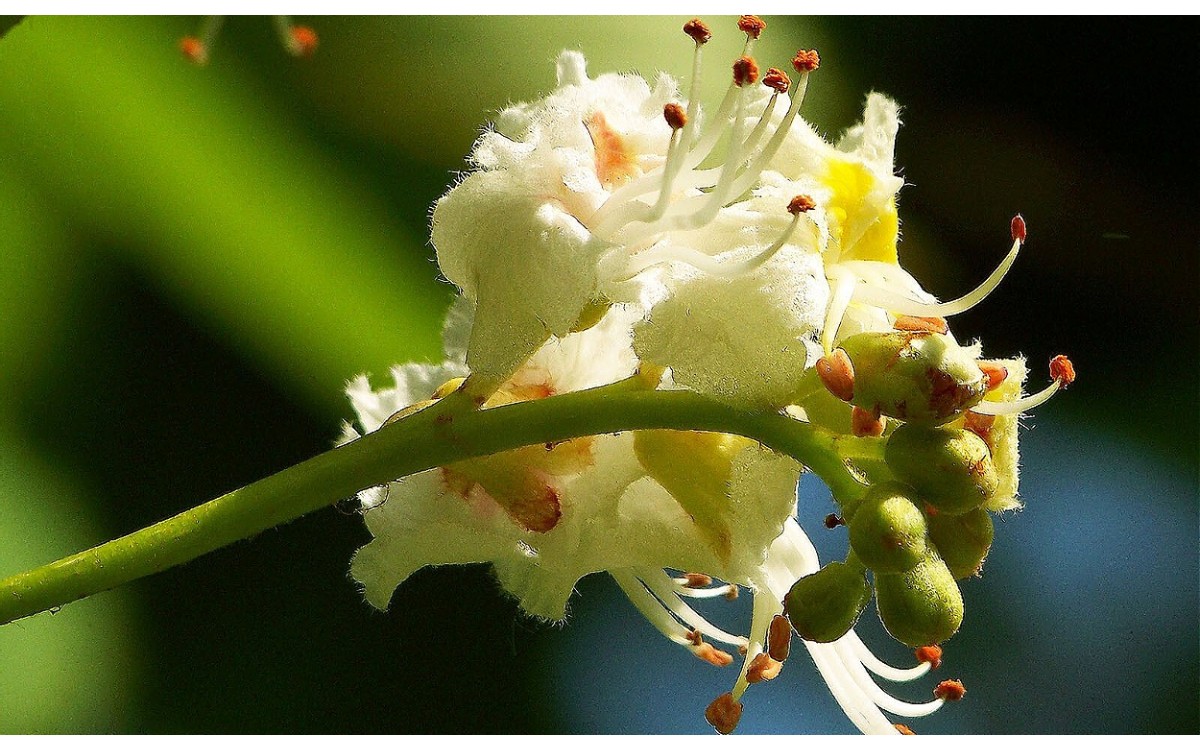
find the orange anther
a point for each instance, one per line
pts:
(713, 656)
(694, 637)
(193, 49)
(763, 668)
(980, 424)
(949, 690)
(1062, 370)
(732, 593)
(903, 729)
(675, 116)
(995, 374)
(778, 80)
(304, 41)
(833, 520)
(698, 31)
(806, 61)
(779, 638)
(919, 324)
(837, 373)
(1017, 227)
(745, 71)
(801, 204)
(753, 26)
(864, 423)
(724, 713)
(697, 580)
(930, 654)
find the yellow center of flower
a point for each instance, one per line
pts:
(860, 228)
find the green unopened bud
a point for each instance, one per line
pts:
(922, 606)
(916, 377)
(952, 469)
(822, 607)
(962, 541)
(887, 530)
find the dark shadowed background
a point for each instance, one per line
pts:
(193, 261)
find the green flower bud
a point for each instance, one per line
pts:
(823, 606)
(922, 606)
(962, 541)
(887, 529)
(952, 469)
(925, 378)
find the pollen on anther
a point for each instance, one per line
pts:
(304, 41)
(1018, 228)
(698, 31)
(763, 668)
(1062, 370)
(833, 520)
(903, 729)
(753, 26)
(931, 655)
(193, 49)
(697, 580)
(949, 690)
(777, 80)
(713, 656)
(837, 374)
(995, 374)
(779, 638)
(675, 116)
(723, 713)
(801, 204)
(921, 324)
(806, 60)
(745, 71)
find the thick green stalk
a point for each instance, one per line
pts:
(441, 434)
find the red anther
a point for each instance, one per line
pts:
(304, 41)
(777, 79)
(779, 638)
(801, 204)
(833, 520)
(903, 729)
(995, 374)
(922, 325)
(865, 423)
(753, 26)
(697, 580)
(980, 424)
(806, 60)
(949, 690)
(745, 71)
(193, 49)
(675, 116)
(1062, 370)
(694, 637)
(724, 713)
(1018, 228)
(698, 31)
(713, 656)
(930, 654)
(763, 668)
(837, 373)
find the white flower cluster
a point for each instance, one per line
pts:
(612, 226)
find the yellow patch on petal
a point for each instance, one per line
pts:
(864, 230)
(695, 468)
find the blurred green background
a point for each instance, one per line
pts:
(194, 260)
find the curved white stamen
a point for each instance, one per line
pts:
(998, 408)
(650, 607)
(711, 592)
(877, 694)
(704, 262)
(660, 585)
(880, 667)
(857, 706)
(765, 609)
(747, 178)
(900, 304)
(841, 292)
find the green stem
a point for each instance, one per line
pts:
(448, 431)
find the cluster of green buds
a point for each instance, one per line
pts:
(919, 415)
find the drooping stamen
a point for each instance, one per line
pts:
(299, 41)
(880, 667)
(724, 713)
(904, 305)
(931, 655)
(858, 707)
(196, 48)
(877, 694)
(779, 638)
(950, 690)
(1063, 373)
(997, 374)
(919, 324)
(864, 423)
(763, 613)
(837, 373)
(763, 668)
(651, 608)
(661, 587)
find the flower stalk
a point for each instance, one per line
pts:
(448, 431)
